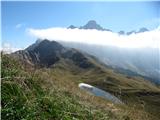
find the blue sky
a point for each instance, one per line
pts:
(127, 16)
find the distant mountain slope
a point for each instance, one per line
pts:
(142, 61)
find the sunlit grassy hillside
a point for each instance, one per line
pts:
(53, 94)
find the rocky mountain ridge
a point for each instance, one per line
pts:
(92, 24)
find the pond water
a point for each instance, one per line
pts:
(100, 93)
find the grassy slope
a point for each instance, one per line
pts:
(53, 93)
(137, 93)
(28, 94)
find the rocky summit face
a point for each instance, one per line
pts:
(47, 53)
(121, 32)
(72, 27)
(131, 32)
(92, 25)
(142, 30)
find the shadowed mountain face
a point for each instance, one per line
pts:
(142, 30)
(131, 32)
(72, 27)
(92, 25)
(47, 53)
(121, 32)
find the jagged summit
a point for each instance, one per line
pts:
(121, 32)
(143, 29)
(47, 53)
(131, 32)
(92, 24)
(72, 27)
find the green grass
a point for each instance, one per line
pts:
(53, 93)
(24, 97)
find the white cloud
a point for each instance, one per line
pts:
(19, 25)
(145, 39)
(8, 48)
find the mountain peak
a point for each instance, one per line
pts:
(92, 24)
(143, 29)
(72, 27)
(121, 32)
(47, 53)
(131, 32)
(47, 46)
(43, 42)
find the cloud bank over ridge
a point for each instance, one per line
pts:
(149, 39)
